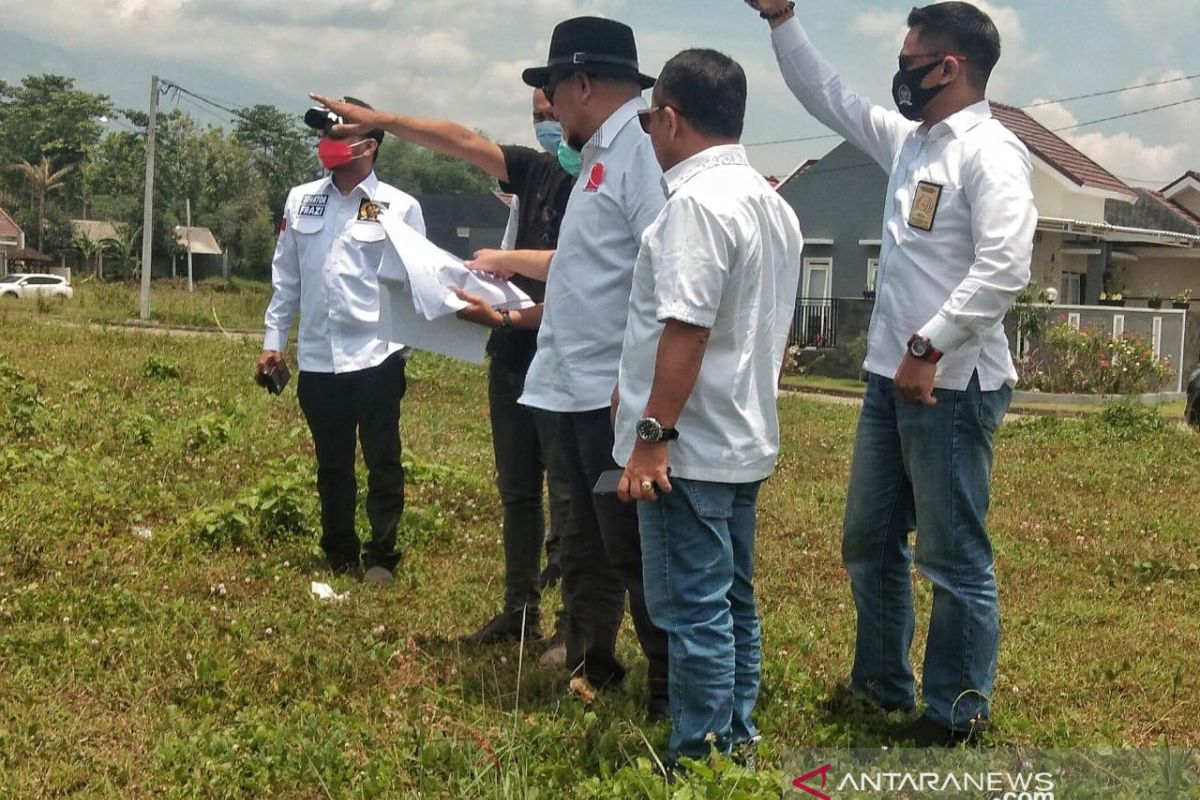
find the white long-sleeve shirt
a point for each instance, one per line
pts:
(958, 221)
(326, 267)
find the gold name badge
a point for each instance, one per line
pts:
(925, 205)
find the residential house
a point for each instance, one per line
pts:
(1095, 235)
(12, 239)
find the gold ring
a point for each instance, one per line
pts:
(647, 485)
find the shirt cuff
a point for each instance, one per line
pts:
(275, 340)
(943, 334)
(681, 312)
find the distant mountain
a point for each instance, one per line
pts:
(126, 78)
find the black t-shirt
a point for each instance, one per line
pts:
(543, 188)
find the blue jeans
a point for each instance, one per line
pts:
(698, 565)
(926, 468)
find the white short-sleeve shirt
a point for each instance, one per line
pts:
(724, 254)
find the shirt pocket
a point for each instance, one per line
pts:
(367, 232)
(309, 232)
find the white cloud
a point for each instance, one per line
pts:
(1123, 154)
(417, 57)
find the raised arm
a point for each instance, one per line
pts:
(441, 136)
(877, 131)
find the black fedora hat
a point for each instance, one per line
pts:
(591, 45)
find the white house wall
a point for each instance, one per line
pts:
(1054, 199)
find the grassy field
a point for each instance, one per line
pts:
(213, 304)
(158, 637)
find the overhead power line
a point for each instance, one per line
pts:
(1041, 103)
(1139, 112)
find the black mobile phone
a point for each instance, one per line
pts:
(608, 482)
(274, 378)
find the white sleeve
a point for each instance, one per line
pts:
(877, 131)
(414, 218)
(285, 279)
(1003, 221)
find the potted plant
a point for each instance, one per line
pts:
(1155, 300)
(1112, 299)
(1182, 300)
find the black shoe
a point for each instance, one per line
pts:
(507, 627)
(658, 709)
(550, 576)
(924, 732)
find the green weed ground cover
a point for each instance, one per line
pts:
(158, 637)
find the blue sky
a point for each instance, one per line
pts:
(463, 60)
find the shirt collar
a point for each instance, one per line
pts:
(717, 156)
(603, 138)
(368, 186)
(963, 120)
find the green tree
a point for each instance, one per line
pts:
(282, 150)
(43, 178)
(419, 170)
(45, 116)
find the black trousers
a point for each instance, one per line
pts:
(525, 441)
(601, 560)
(365, 403)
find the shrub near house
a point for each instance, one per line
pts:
(1089, 361)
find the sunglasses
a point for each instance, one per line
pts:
(906, 61)
(552, 84)
(645, 114)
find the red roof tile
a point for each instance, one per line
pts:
(1055, 151)
(1189, 175)
(8, 227)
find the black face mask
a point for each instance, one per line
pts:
(908, 93)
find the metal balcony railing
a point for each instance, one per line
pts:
(815, 323)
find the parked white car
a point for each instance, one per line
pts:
(20, 285)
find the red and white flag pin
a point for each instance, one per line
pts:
(595, 178)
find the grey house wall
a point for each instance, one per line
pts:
(841, 198)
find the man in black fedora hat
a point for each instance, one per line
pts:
(593, 80)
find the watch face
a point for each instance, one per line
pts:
(649, 430)
(919, 348)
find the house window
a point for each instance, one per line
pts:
(1070, 289)
(872, 273)
(818, 277)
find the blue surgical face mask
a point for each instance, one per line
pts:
(549, 134)
(569, 159)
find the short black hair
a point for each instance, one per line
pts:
(377, 134)
(961, 28)
(708, 89)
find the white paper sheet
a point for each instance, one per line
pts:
(433, 275)
(399, 321)
(417, 300)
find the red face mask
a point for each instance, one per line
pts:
(335, 153)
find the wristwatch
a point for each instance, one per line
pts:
(651, 431)
(505, 320)
(920, 347)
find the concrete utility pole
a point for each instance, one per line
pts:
(148, 215)
(188, 205)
